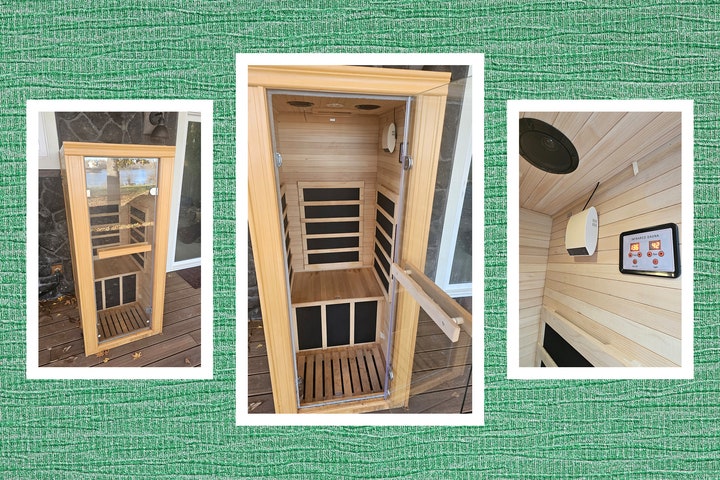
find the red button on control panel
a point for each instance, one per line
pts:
(661, 253)
(655, 261)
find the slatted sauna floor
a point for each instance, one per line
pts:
(119, 321)
(340, 373)
(441, 372)
(61, 342)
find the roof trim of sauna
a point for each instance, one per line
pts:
(349, 79)
(117, 150)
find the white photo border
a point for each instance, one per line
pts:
(33, 109)
(514, 370)
(478, 349)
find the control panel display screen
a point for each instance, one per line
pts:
(651, 251)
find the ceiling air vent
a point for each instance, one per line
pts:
(300, 103)
(546, 147)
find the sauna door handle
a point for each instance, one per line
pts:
(440, 307)
(120, 250)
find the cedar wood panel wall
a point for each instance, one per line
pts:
(637, 316)
(349, 149)
(315, 149)
(534, 242)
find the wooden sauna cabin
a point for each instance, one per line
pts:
(619, 303)
(330, 183)
(117, 199)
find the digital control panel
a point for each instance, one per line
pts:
(651, 251)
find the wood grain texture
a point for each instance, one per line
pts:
(639, 313)
(61, 343)
(329, 285)
(425, 145)
(607, 143)
(270, 267)
(535, 229)
(327, 152)
(361, 233)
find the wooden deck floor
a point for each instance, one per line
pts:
(441, 371)
(61, 345)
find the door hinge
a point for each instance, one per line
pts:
(278, 159)
(407, 162)
(405, 159)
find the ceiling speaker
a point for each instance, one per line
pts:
(546, 147)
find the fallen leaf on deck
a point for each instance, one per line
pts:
(260, 345)
(102, 353)
(253, 406)
(187, 361)
(137, 355)
(106, 359)
(67, 348)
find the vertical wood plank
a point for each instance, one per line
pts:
(425, 148)
(79, 236)
(269, 262)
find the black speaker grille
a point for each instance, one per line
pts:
(546, 147)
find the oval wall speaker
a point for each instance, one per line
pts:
(546, 147)
(389, 138)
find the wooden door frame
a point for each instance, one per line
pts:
(430, 91)
(72, 157)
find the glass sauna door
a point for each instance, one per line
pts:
(440, 355)
(117, 202)
(121, 200)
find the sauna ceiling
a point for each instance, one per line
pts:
(606, 142)
(332, 105)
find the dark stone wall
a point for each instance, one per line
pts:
(54, 246)
(254, 312)
(445, 165)
(98, 127)
(111, 127)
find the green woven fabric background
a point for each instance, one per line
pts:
(127, 49)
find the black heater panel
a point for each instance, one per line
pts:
(338, 324)
(309, 327)
(562, 353)
(365, 321)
